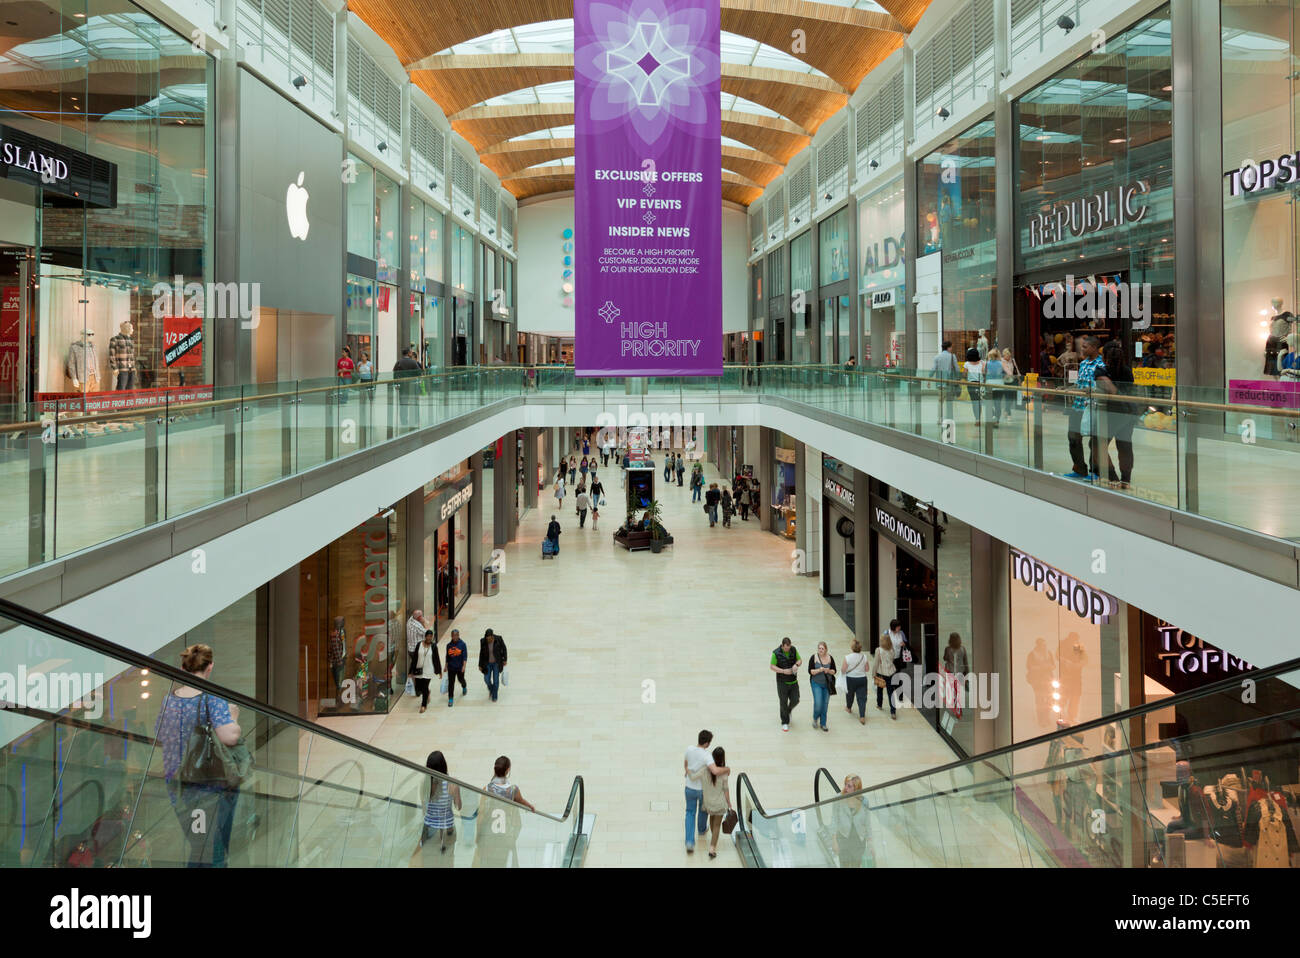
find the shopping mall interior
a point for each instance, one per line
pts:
(944, 374)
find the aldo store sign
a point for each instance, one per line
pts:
(57, 169)
(1094, 213)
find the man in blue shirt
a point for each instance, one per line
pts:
(1092, 376)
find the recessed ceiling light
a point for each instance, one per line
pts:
(1118, 139)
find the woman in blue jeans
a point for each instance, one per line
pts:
(821, 671)
(856, 666)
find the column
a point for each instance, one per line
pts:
(475, 532)
(910, 360)
(853, 319)
(503, 494)
(284, 671)
(801, 509)
(990, 638)
(763, 472)
(414, 545)
(863, 572)
(530, 467)
(1006, 192)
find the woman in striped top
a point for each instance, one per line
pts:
(439, 818)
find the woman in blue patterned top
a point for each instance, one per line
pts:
(182, 710)
(440, 812)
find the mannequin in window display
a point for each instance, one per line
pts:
(1281, 326)
(982, 345)
(1222, 806)
(336, 653)
(1269, 830)
(83, 363)
(1040, 670)
(121, 358)
(1073, 658)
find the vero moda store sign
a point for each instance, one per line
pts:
(647, 115)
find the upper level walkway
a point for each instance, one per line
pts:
(1206, 499)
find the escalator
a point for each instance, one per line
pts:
(83, 783)
(1102, 794)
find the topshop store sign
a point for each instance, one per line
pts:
(1266, 174)
(1069, 593)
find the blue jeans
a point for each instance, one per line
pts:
(713, 514)
(493, 678)
(821, 700)
(695, 496)
(695, 810)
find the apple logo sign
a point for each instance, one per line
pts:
(295, 207)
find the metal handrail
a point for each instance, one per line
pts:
(43, 623)
(1224, 685)
(817, 780)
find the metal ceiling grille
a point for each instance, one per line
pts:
(427, 141)
(833, 157)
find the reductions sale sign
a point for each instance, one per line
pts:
(647, 86)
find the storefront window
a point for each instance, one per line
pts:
(390, 345)
(462, 258)
(432, 327)
(78, 281)
(783, 509)
(387, 226)
(801, 278)
(882, 277)
(1261, 224)
(833, 248)
(956, 186)
(433, 226)
(359, 329)
(1095, 206)
(415, 239)
(361, 208)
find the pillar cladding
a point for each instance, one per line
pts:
(475, 533)
(863, 571)
(530, 468)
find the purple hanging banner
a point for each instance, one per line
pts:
(648, 188)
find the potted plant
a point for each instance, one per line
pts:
(657, 531)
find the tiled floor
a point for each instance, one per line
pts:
(618, 659)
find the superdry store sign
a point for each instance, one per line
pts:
(1069, 593)
(56, 168)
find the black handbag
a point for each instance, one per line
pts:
(208, 761)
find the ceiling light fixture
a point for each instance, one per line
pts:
(383, 145)
(433, 184)
(1065, 23)
(943, 113)
(874, 164)
(300, 81)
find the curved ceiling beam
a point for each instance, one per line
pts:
(459, 82)
(418, 31)
(735, 179)
(756, 165)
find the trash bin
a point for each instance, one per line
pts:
(491, 580)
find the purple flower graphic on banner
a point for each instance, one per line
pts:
(652, 63)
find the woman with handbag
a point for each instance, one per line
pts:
(427, 666)
(852, 832)
(821, 674)
(1011, 377)
(717, 799)
(856, 665)
(197, 778)
(884, 669)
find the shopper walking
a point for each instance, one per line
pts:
(711, 501)
(440, 811)
(696, 764)
(492, 661)
(553, 533)
(426, 667)
(559, 493)
(697, 486)
(502, 788)
(975, 383)
(785, 663)
(456, 656)
(183, 709)
(404, 369)
(1083, 415)
(1010, 377)
(1121, 414)
(728, 508)
(883, 673)
(944, 368)
(681, 469)
(415, 629)
(583, 468)
(668, 468)
(856, 665)
(821, 675)
(573, 470)
(499, 820)
(716, 800)
(993, 375)
(583, 504)
(743, 496)
(597, 491)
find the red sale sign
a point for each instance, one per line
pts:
(182, 341)
(10, 336)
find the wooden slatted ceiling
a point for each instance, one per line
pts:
(841, 42)
(458, 82)
(759, 167)
(507, 159)
(486, 126)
